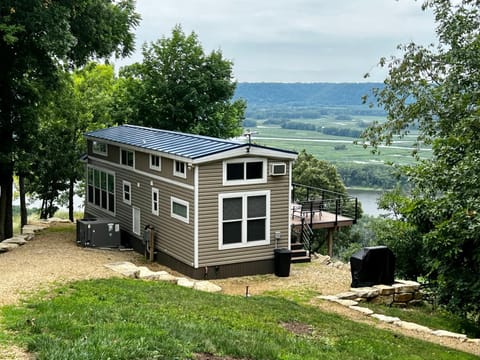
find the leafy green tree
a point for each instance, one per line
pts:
(36, 37)
(179, 87)
(436, 89)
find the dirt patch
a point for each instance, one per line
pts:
(53, 258)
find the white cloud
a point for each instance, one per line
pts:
(284, 40)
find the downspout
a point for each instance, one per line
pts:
(289, 205)
(195, 216)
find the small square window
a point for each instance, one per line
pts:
(155, 162)
(127, 158)
(99, 148)
(179, 169)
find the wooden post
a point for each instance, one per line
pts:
(330, 242)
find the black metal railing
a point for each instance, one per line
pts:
(312, 200)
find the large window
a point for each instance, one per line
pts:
(244, 219)
(244, 171)
(179, 209)
(155, 201)
(101, 189)
(127, 158)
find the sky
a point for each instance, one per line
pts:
(292, 40)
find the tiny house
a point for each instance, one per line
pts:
(217, 208)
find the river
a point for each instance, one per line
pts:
(368, 199)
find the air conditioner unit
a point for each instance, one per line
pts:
(93, 232)
(277, 169)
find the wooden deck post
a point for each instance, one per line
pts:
(330, 241)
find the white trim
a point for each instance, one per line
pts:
(195, 217)
(133, 158)
(180, 202)
(273, 165)
(155, 191)
(244, 181)
(129, 201)
(179, 173)
(242, 151)
(95, 143)
(149, 175)
(153, 167)
(244, 196)
(134, 210)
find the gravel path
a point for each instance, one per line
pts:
(54, 258)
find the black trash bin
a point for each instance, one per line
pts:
(372, 266)
(283, 258)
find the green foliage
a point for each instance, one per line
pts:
(435, 89)
(131, 319)
(179, 87)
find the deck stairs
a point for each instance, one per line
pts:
(299, 254)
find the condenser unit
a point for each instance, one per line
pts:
(93, 232)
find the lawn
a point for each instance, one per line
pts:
(131, 319)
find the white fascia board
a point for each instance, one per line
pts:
(242, 151)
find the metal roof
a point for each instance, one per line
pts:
(170, 142)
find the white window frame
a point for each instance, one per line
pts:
(97, 188)
(180, 173)
(180, 202)
(244, 196)
(133, 158)
(154, 167)
(129, 192)
(155, 203)
(245, 181)
(136, 220)
(96, 149)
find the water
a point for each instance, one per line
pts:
(368, 199)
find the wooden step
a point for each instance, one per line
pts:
(301, 259)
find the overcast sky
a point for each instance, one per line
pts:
(292, 40)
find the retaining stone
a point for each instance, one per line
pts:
(384, 318)
(444, 333)
(366, 292)
(382, 299)
(7, 247)
(412, 326)
(385, 289)
(15, 240)
(185, 282)
(362, 310)
(403, 297)
(349, 295)
(206, 286)
(346, 302)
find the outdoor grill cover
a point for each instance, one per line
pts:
(372, 266)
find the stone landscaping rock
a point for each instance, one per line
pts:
(15, 240)
(7, 247)
(382, 299)
(125, 268)
(185, 282)
(404, 288)
(206, 286)
(32, 229)
(328, 297)
(413, 285)
(366, 292)
(384, 318)
(346, 302)
(385, 289)
(445, 333)
(412, 326)
(362, 310)
(474, 341)
(349, 295)
(403, 297)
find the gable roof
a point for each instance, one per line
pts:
(177, 144)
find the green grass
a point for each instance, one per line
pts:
(434, 319)
(131, 319)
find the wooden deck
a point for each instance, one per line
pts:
(320, 219)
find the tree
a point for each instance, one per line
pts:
(179, 87)
(436, 89)
(36, 37)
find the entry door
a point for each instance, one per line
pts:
(136, 220)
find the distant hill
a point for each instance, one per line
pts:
(304, 94)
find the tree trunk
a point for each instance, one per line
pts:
(71, 193)
(23, 204)
(6, 194)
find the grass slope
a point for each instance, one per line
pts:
(131, 319)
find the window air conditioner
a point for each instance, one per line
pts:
(277, 169)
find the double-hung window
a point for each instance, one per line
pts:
(179, 169)
(244, 219)
(155, 201)
(127, 192)
(101, 189)
(244, 171)
(127, 158)
(155, 162)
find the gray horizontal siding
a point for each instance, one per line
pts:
(171, 235)
(210, 185)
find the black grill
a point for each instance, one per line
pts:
(372, 266)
